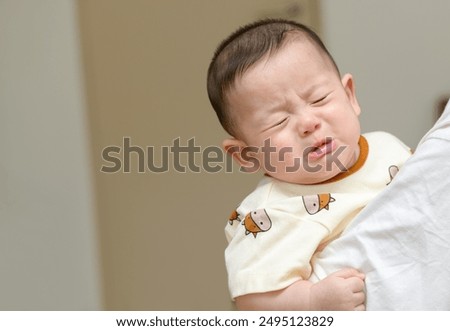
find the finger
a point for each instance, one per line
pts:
(349, 272)
(360, 308)
(359, 298)
(355, 284)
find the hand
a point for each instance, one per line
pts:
(342, 290)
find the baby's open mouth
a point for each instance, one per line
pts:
(322, 148)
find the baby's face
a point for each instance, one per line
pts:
(296, 115)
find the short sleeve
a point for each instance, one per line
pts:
(270, 248)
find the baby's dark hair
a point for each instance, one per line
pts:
(242, 49)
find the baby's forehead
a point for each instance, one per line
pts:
(296, 51)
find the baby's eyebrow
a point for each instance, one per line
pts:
(318, 83)
(311, 89)
(273, 108)
(266, 122)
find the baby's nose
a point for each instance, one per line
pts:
(308, 123)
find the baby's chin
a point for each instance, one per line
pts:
(317, 173)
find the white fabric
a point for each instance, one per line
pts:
(401, 240)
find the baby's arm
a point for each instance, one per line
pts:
(342, 290)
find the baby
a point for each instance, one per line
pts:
(279, 94)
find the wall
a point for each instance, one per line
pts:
(48, 251)
(162, 234)
(398, 52)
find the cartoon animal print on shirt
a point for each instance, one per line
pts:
(257, 221)
(393, 170)
(234, 217)
(315, 203)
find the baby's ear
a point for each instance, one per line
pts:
(239, 151)
(349, 86)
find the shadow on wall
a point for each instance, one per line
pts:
(441, 106)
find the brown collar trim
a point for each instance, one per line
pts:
(363, 153)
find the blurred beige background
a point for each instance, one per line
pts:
(79, 76)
